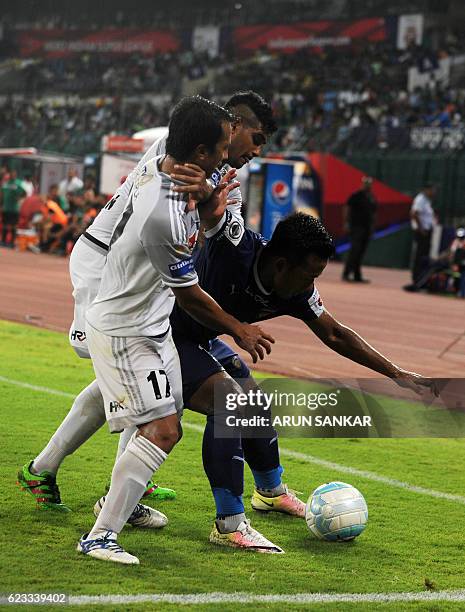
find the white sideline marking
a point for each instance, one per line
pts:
(338, 467)
(249, 598)
(25, 385)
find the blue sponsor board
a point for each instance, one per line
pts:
(278, 195)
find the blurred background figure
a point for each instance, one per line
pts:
(360, 213)
(458, 259)
(422, 221)
(54, 222)
(11, 196)
(71, 184)
(445, 273)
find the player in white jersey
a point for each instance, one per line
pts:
(89, 254)
(86, 265)
(127, 328)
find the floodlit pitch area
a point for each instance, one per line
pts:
(410, 556)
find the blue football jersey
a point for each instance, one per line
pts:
(226, 266)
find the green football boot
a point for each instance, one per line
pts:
(155, 492)
(43, 487)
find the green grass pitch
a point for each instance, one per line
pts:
(410, 537)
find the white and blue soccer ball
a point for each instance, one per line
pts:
(336, 512)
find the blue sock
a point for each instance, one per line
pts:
(223, 461)
(227, 503)
(269, 479)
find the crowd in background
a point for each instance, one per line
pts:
(319, 98)
(333, 98)
(46, 222)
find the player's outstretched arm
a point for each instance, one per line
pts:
(348, 343)
(206, 311)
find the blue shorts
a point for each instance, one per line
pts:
(198, 363)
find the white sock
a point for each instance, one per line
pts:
(130, 475)
(230, 523)
(124, 438)
(275, 492)
(85, 417)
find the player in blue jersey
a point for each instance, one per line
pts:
(256, 280)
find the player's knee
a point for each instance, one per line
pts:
(164, 433)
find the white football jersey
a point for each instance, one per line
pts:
(105, 221)
(150, 251)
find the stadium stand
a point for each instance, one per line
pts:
(342, 78)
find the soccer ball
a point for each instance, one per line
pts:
(336, 512)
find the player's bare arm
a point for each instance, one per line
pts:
(348, 343)
(206, 311)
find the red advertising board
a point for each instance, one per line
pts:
(288, 38)
(65, 43)
(122, 144)
(340, 179)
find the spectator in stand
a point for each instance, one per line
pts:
(422, 221)
(71, 184)
(11, 195)
(360, 212)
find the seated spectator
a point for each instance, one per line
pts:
(31, 206)
(54, 222)
(54, 195)
(450, 261)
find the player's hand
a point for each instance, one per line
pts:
(254, 340)
(214, 208)
(195, 178)
(417, 383)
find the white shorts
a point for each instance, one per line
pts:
(85, 269)
(140, 378)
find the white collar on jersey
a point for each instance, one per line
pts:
(255, 274)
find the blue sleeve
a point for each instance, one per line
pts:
(229, 238)
(307, 307)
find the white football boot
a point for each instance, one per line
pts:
(142, 516)
(105, 548)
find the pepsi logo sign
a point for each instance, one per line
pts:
(280, 192)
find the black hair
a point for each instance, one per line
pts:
(258, 105)
(299, 235)
(195, 121)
